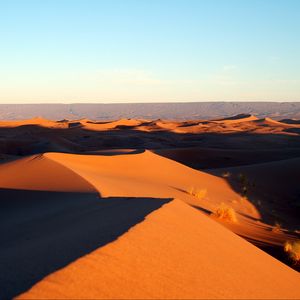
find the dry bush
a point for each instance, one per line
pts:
(293, 250)
(226, 174)
(225, 213)
(199, 193)
(244, 183)
(277, 227)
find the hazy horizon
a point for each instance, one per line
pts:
(149, 102)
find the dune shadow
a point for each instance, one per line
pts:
(114, 152)
(32, 139)
(293, 130)
(41, 232)
(273, 205)
(202, 209)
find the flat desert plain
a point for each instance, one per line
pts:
(145, 209)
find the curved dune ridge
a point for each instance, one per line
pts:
(150, 175)
(128, 175)
(34, 121)
(176, 253)
(123, 123)
(238, 119)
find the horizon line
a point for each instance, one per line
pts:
(166, 102)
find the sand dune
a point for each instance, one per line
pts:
(41, 174)
(34, 121)
(279, 202)
(86, 136)
(42, 232)
(122, 208)
(208, 158)
(157, 259)
(121, 124)
(128, 175)
(238, 119)
(290, 121)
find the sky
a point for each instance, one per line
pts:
(70, 51)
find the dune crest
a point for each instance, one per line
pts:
(157, 259)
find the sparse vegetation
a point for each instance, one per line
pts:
(226, 174)
(225, 213)
(277, 227)
(243, 199)
(293, 250)
(244, 182)
(199, 193)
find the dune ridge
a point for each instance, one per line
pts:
(141, 264)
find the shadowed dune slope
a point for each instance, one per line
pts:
(238, 118)
(42, 232)
(210, 158)
(278, 202)
(176, 253)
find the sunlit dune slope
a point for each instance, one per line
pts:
(122, 123)
(34, 121)
(149, 175)
(175, 253)
(125, 175)
(41, 174)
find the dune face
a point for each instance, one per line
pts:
(41, 174)
(126, 209)
(157, 259)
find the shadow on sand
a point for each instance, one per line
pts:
(41, 232)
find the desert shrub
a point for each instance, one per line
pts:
(277, 227)
(226, 213)
(199, 193)
(226, 174)
(243, 178)
(244, 183)
(293, 250)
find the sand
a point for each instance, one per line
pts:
(172, 255)
(88, 212)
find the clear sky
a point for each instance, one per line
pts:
(149, 50)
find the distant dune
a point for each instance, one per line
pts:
(140, 208)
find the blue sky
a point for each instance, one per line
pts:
(149, 50)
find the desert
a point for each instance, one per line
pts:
(149, 149)
(150, 208)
